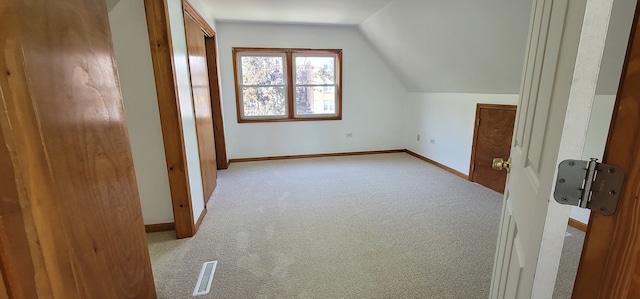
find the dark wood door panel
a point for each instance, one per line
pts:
(494, 130)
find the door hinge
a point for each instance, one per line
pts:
(589, 184)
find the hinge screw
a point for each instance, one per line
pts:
(562, 181)
(572, 163)
(564, 199)
(603, 209)
(612, 192)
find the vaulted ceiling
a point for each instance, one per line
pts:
(435, 45)
(343, 12)
(466, 46)
(453, 46)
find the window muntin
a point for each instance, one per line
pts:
(287, 84)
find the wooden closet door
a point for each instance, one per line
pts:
(201, 104)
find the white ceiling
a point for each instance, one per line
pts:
(343, 12)
(433, 45)
(465, 46)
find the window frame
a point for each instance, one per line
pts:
(289, 69)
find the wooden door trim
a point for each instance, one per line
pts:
(170, 116)
(577, 224)
(611, 242)
(216, 102)
(479, 107)
(191, 10)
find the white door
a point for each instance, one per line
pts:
(565, 45)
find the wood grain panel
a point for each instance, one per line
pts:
(170, 115)
(216, 103)
(159, 227)
(577, 224)
(13, 241)
(610, 265)
(201, 104)
(67, 170)
(4, 294)
(492, 139)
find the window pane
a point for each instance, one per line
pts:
(315, 70)
(262, 70)
(264, 101)
(312, 100)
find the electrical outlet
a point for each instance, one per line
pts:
(432, 141)
(348, 135)
(418, 138)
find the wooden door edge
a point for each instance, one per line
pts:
(474, 143)
(160, 39)
(216, 103)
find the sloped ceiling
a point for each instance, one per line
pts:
(453, 46)
(465, 46)
(343, 12)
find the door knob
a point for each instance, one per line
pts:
(499, 164)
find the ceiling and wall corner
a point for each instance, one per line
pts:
(205, 10)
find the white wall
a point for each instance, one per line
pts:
(133, 58)
(185, 98)
(448, 120)
(373, 98)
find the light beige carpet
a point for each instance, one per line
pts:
(568, 263)
(376, 226)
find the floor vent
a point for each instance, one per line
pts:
(203, 286)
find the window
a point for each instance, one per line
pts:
(287, 84)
